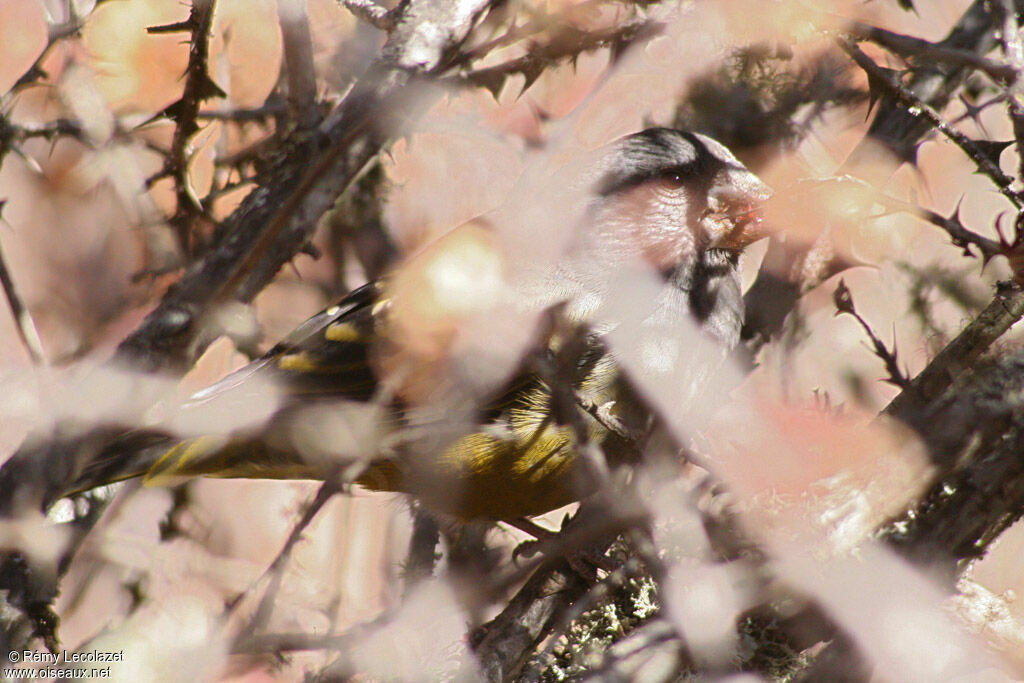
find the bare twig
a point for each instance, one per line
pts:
(607, 419)
(356, 226)
(277, 643)
(973, 112)
(256, 114)
(958, 233)
(298, 61)
(24, 323)
(503, 645)
(625, 660)
(275, 571)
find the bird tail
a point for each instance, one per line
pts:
(124, 456)
(47, 468)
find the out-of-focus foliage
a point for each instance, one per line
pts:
(754, 552)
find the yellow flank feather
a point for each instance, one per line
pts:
(224, 458)
(521, 461)
(177, 463)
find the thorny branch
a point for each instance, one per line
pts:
(568, 44)
(1013, 51)
(779, 286)
(277, 217)
(56, 33)
(175, 334)
(843, 300)
(974, 434)
(881, 77)
(961, 353)
(963, 515)
(270, 226)
(199, 86)
(910, 46)
(958, 233)
(293, 195)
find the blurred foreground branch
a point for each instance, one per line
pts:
(300, 181)
(690, 551)
(272, 224)
(894, 135)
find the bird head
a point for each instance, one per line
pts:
(667, 194)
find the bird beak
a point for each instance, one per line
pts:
(738, 202)
(748, 227)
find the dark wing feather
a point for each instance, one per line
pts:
(327, 355)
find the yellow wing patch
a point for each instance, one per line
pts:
(300, 361)
(342, 332)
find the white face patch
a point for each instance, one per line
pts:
(666, 194)
(649, 221)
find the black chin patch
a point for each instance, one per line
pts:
(702, 278)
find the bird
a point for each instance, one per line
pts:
(679, 203)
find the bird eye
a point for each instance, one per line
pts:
(674, 180)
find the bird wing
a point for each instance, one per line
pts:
(327, 355)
